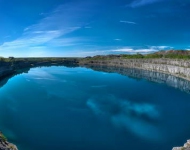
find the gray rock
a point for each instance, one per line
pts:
(185, 147)
(5, 145)
(178, 68)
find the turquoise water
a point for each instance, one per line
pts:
(63, 108)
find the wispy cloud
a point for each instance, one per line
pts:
(124, 50)
(138, 3)
(132, 51)
(52, 29)
(63, 42)
(128, 22)
(88, 27)
(8, 36)
(117, 39)
(145, 50)
(161, 47)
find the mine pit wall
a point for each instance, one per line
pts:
(5, 69)
(179, 83)
(178, 68)
(10, 68)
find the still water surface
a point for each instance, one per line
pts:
(64, 108)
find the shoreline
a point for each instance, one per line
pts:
(186, 146)
(169, 67)
(175, 67)
(5, 145)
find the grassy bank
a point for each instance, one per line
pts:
(170, 54)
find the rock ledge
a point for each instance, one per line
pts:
(5, 145)
(185, 147)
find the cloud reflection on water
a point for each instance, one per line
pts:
(137, 118)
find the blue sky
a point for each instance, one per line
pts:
(92, 27)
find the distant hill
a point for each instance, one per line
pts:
(172, 54)
(175, 54)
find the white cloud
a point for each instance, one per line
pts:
(117, 39)
(132, 51)
(149, 49)
(8, 36)
(138, 3)
(121, 50)
(52, 29)
(112, 50)
(161, 47)
(63, 42)
(128, 22)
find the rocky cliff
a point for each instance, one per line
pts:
(13, 66)
(5, 145)
(176, 67)
(185, 147)
(5, 69)
(179, 83)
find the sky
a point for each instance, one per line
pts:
(79, 28)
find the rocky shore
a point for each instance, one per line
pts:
(173, 72)
(179, 83)
(5, 145)
(14, 66)
(5, 69)
(176, 67)
(185, 147)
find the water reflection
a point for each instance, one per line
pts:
(139, 74)
(90, 107)
(4, 80)
(138, 118)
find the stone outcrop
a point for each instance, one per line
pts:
(179, 83)
(14, 66)
(185, 147)
(5, 69)
(5, 145)
(176, 67)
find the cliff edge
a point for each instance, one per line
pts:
(185, 147)
(5, 145)
(176, 67)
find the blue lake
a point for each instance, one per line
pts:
(64, 108)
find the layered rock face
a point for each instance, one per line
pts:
(185, 147)
(5, 145)
(9, 68)
(5, 69)
(179, 68)
(179, 83)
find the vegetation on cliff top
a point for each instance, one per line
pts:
(2, 137)
(170, 54)
(34, 59)
(5, 145)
